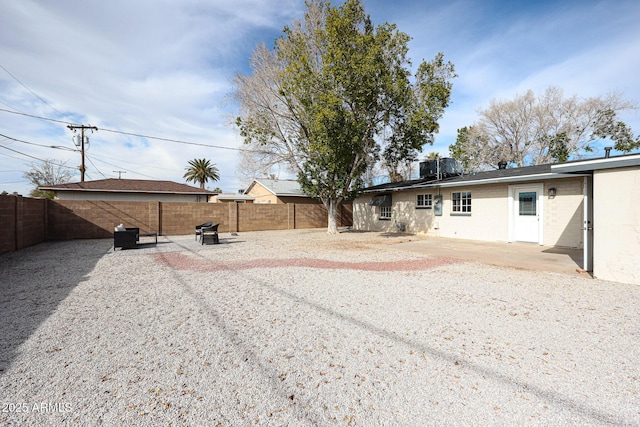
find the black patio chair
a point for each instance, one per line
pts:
(199, 227)
(126, 239)
(209, 233)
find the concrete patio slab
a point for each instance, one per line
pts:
(527, 256)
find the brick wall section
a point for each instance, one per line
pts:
(34, 226)
(309, 216)
(26, 221)
(179, 218)
(345, 215)
(22, 222)
(8, 205)
(89, 219)
(256, 217)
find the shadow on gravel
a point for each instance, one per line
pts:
(550, 396)
(33, 282)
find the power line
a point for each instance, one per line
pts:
(139, 135)
(94, 165)
(12, 157)
(56, 147)
(35, 117)
(100, 157)
(29, 89)
(96, 156)
(128, 170)
(30, 156)
(90, 158)
(174, 140)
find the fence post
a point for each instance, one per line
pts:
(233, 217)
(19, 223)
(154, 217)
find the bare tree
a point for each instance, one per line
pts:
(532, 130)
(47, 173)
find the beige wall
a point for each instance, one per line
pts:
(261, 194)
(489, 220)
(130, 197)
(616, 225)
(563, 214)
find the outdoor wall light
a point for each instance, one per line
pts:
(552, 192)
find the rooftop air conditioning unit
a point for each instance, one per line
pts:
(440, 168)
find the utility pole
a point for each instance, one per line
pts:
(82, 128)
(120, 173)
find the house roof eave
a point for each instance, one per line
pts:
(598, 164)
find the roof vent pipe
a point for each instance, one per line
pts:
(607, 152)
(502, 164)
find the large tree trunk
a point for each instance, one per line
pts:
(332, 208)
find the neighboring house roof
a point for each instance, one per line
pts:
(113, 185)
(528, 173)
(279, 187)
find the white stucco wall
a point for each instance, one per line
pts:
(616, 225)
(489, 219)
(132, 197)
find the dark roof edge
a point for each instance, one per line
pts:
(102, 190)
(479, 181)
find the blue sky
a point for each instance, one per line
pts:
(164, 68)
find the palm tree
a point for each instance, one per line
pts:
(201, 170)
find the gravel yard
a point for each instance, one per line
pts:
(295, 328)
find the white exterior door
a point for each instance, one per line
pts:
(526, 213)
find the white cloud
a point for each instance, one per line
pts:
(164, 68)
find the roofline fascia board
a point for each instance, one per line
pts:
(510, 179)
(597, 164)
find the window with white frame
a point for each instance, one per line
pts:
(382, 203)
(385, 212)
(461, 202)
(424, 201)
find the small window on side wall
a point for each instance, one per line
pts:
(424, 201)
(385, 212)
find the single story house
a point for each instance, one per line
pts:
(129, 190)
(277, 191)
(593, 205)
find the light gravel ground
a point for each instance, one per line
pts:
(295, 328)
